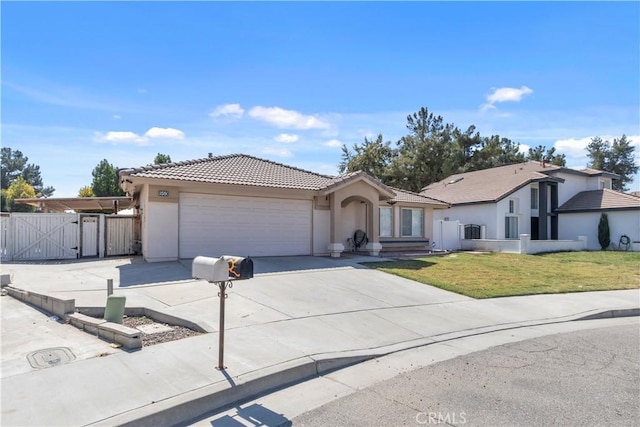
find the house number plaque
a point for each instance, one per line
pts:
(163, 193)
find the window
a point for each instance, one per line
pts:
(534, 198)
(512, 206)
(412, 220)
(386, 224)
(511, 227)
(471, 231)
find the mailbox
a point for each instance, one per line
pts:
(222, 269)
(210, 269)
(239, 268)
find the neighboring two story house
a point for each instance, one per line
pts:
(544, 201)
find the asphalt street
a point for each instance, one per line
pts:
(580, 373)
(583, 378)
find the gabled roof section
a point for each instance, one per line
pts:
(488, 185)
(411, 197)
(342, 180)
(596, 172)
(600, 200)
(238, 169)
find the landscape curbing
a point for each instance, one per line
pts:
(215, 397)
(59, 307)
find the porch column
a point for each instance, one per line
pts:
(554, 214)
(373, 246)
(336, 247)
(543, 211)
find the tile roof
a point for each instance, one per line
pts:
(239, 169)
(411, 197)
(596, 200)
(488, 185)
(242, 169)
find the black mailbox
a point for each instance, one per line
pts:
(239, 268)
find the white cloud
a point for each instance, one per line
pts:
(282, 118)
(572, 147)
(116, 117)
(122, 137)
(505, 94)
(171, 133)
(278, 152)
(286, 138)
(524, 148)
(333, 143)
(227, 110)
(128, 137)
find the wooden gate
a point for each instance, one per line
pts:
(120, 235)
(33, 236)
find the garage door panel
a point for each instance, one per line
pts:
(228, 225)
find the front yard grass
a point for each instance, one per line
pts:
(488, 275)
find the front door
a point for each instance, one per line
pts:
(535, 233)
(89, 236)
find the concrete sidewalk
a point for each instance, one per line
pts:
(298, 317)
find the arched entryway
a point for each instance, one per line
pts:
(354, 206)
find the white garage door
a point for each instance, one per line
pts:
(243, 226)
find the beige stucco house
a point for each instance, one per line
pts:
(246, 206)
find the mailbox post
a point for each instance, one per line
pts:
(222, 271)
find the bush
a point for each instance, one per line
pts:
(604, 237)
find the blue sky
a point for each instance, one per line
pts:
(292, 82)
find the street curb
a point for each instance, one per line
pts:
(608, 314)
(178, 410)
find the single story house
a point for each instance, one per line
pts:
(544, 201)
(246, 206)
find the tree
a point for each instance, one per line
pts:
(422, 153)
(604, 237)
(431, 151)
(541, 154)
(105, 180)
(19, 189)
(618, 158)
(86, 191)
(622, 162)
(161, 159)
(372, 157)
(14, 164)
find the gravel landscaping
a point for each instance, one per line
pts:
(163, 335)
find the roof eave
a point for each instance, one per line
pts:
(383, 190)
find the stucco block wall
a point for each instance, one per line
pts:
(571, 225)
(481, 214)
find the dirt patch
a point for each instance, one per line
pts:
(174, 333)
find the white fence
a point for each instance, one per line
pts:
(524, 245)
(49, 236)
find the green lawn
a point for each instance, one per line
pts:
(491, 275)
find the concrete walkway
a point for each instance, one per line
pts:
(298, 317)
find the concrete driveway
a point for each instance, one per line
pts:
(283, 288)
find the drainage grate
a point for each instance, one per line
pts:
(50, 357)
